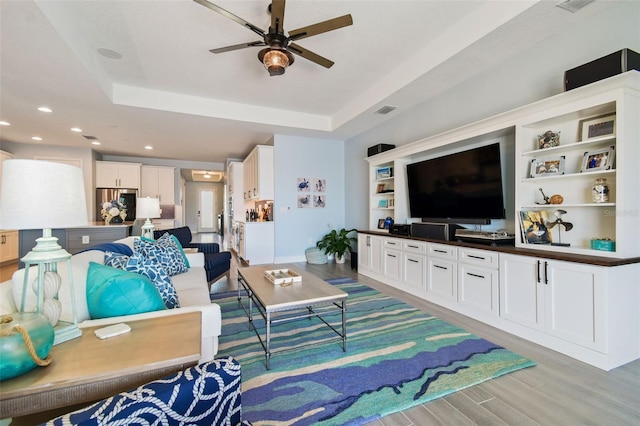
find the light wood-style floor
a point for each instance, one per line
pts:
(557, 391)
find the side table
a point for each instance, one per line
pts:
(88, 369)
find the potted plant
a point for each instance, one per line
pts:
(337, 242)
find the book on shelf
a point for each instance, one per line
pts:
(533, 227)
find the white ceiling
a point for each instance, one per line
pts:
(168, 91)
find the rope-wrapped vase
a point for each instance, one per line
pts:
(25, 342)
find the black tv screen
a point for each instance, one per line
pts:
(463, 186)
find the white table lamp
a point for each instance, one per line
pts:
(45, 195)
(147, 208)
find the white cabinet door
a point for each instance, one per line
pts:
(107, 175)
(392, 260)
(110, 174)
(442, 278)
(414, 271)
(478, 287)
(258, 241)
(574, 303)
(565, 299)
(129, 175)
(158, 182)
(521, 291)
(370, 253)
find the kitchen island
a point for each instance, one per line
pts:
(76, 239)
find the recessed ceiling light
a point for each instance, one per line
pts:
(36, 138)
(76, 129)
(148, 147)
(96, 143)
(4, 123)
(45, 109)
(207, 175)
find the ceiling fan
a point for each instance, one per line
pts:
(277, 56)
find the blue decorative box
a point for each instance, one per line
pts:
(603, 244)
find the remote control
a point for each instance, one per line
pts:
(112, 331)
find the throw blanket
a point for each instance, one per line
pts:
(112, 247)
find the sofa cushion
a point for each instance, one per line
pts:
(207, 394)
(140, 265)
(114, 292)
(165, 252)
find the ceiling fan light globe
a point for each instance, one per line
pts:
(275, 60)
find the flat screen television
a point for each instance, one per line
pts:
(464, 187)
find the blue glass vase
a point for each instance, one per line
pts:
(15, 359)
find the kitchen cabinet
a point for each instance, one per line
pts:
(111, 174)
(158, 182)
(258, 174)
(8, 246)
(235, 178)
(370, 254)
(256, 242)
(78, 239)
(563, 299)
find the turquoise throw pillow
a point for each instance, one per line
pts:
(155, 272)
(113, 292)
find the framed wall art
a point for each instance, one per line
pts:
(547, 167)
(598, 160)
(597, 127)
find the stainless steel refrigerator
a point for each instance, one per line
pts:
(125, 196)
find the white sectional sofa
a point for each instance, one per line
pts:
(191, 287)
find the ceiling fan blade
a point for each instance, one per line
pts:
(277, 16)
(307, 54)
(321, 27)
(238, 46)
(231, 16)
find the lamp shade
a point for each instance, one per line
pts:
(147, 208)
(41, 194)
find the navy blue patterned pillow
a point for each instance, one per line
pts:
(155, 272)
(207, 394)
(166, 254)
(115, 260)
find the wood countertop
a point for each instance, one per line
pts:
(570, 257)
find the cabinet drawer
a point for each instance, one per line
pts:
(392, 243)
(443, 251)
(484, 258)
(414, 247)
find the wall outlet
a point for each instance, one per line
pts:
(86, 239)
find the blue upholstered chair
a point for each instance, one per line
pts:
(216, 263)
(207, 394)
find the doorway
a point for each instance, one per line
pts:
(206, 210)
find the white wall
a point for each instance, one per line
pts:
(528, 76)
(191, 202)
(297, 229)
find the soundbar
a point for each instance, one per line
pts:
(485, 237)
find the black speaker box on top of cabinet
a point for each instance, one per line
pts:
(616, 63)
(377, 149)
(435, 231)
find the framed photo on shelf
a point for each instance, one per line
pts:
(548, 139)
(533, 226)
(598, 160)
(384, 173)
(596, 127)
(380, 188)
(547, 167)
(380, 223)
(383, 204)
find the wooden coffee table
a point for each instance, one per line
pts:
(88, 369)
(283, 303)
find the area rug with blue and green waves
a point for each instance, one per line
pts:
(397, 357)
